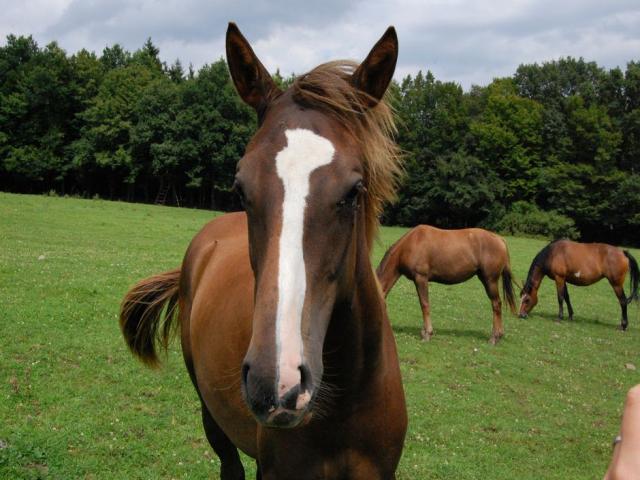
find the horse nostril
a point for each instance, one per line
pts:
(305, 378)
(258, 390)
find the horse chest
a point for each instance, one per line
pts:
(298, 463)
(359, 446)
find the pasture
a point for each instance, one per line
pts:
(544, 403)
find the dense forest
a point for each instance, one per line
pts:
(553, 150)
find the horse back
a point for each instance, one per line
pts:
(451, 256)
(586, 263)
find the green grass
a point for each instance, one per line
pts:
(544, 403)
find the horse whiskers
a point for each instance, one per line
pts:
(232, 372)
(333, 351)
(231, 386)
(324, 399)
(330, 390)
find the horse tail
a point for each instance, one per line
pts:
(147, 315)
(634, 277)
(508, 280)
(507, 289)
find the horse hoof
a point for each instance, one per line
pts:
(426, 336)
(622, 328)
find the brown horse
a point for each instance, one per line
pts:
(427, 254)
(284, 329)
(580, 264)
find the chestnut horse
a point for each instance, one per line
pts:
(580, 264)
(427, 254)
(284, 329)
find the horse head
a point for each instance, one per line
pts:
(528, 300)
(312, 190)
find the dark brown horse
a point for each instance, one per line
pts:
(428, 254)
(284, 329)
(580, 264)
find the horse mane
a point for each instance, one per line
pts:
(328, 88)
(385, 260)
(540, 260)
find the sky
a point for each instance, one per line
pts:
(465, 41)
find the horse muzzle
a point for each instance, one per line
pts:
(285, 418)
(286, 409)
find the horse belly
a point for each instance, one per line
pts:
(452, 269)
(448, 279)
(583, 277)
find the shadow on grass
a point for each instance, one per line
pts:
(577, 318)
(444, 332)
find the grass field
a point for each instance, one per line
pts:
(544, 403)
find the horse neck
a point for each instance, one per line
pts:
(388, 271)
(536, 276)
(355, 342)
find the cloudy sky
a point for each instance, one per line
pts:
(466, 41)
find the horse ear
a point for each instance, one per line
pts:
(252, 80)
(374, 74)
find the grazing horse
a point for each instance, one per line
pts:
(581, 264)
(284, 330)
(427, 254)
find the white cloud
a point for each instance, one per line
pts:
(461, 40)
(33, 16)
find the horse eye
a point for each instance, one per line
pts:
(351, 199)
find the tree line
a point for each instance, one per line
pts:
(552, 150)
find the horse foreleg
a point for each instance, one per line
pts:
(230, 465)
(560, 288)
(422, 287)
(566, 299)
(622, 299)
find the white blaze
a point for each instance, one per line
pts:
(305, 151)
